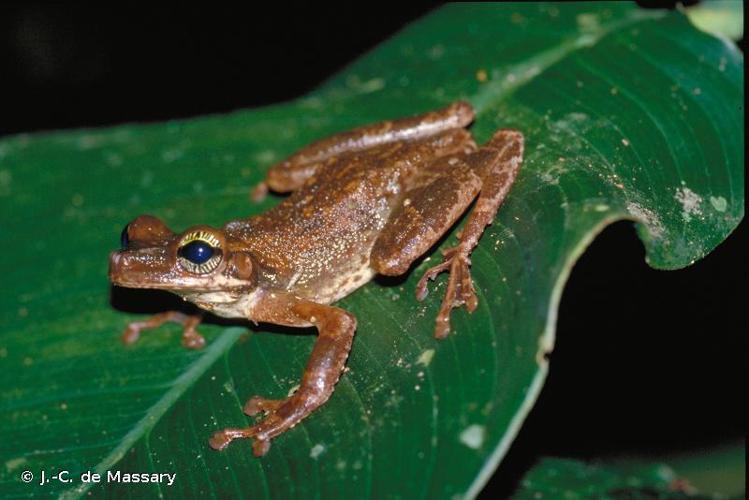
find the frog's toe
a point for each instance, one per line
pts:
(260, 447)
(257, 404)
(191, 339)
(222, 438)
(131, 334)
(422, 286)
(466, 293)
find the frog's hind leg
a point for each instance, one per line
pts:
(433, 202)
(439, 196)
(503, 155)
(291, 173)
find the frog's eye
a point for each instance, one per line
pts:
(199, 252)
(124, 238)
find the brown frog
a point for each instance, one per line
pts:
(364, 202)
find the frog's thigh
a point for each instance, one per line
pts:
(291, 173)
(426, 213)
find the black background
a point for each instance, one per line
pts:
(646, 361)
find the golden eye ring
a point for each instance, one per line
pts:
(199, 252)
(202, 236)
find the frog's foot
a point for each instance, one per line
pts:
(282, 415)
(459, 291)
(191, 339)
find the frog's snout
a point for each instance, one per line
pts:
(114, 263)
(137, 268)
(117, 267)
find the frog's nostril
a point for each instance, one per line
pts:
(124, 238)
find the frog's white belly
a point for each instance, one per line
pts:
(345, 285)
(332, 288)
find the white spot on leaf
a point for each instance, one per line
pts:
(690, 203)
(171, 155)
(647, 216)
(14, 463)
(425, 358)
(473, 436)
(316, 451)
(719, 203)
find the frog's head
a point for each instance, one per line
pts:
(200, 259)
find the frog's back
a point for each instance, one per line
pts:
(317, 241)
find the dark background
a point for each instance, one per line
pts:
(646, 361)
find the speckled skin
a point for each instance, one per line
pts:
(363, 202)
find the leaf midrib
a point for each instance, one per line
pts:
(181, 385)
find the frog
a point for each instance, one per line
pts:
(361, 203)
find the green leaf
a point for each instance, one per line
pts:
(719, 470)
(713, 471)
(572, 479)
(627, 114)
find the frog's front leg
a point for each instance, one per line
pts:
(190, 336)
(291, 173)
(441, 193)
(336, 329)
